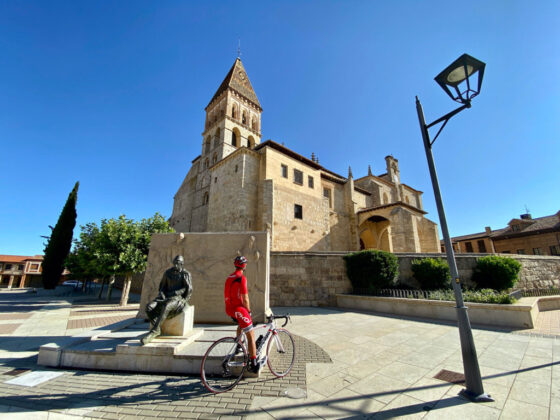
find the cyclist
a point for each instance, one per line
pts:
(238, 307)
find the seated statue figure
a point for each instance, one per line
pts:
(175, 290)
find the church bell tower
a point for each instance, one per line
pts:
(233, 117)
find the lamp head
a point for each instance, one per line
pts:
(459, 75)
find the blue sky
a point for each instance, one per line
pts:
(113, 93)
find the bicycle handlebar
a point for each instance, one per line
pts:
(273, 317)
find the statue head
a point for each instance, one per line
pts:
(178, 262)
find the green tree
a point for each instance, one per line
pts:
(118, 247)
(60, 241)
(82, 262)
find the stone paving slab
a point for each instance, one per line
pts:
(381, 367)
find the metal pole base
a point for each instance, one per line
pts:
(475, 398)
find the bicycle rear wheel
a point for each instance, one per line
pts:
(281, 352)
(221, 368)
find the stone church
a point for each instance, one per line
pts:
(239, 183)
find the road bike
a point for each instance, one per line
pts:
(226, 359)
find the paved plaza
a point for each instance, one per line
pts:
(349, 365)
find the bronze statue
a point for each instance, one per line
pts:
(175, 290)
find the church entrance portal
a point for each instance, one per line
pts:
(374, 234)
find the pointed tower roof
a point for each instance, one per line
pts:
(238, 80)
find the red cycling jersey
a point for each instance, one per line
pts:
(236, 285)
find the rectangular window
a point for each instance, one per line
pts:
(521, 251)
(555, 250)
(516, 228)
(298, 211)
(481, 246)
(537, 251)
(20, 267)
(298, 177)
(284, 171)
(8, 267)
(505, 252)
(328, 194)
(468, 246)
(310, 181)
(34, 267)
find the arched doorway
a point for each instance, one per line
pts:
(374, 233)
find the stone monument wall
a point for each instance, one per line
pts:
(209, 258)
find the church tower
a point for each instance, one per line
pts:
(233, 117)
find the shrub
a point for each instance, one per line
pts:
(477, 296)
(495, 272)
(431, 273)
(371, 270)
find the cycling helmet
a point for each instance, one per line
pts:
(240, 262)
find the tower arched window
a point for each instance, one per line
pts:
(216, 138)
(233, 139)
(251, 142)
(206, 163)
(244, 118)
(254, 124)
(207, 145)
(233, 112)
(214, 158)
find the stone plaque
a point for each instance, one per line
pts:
(209, 258)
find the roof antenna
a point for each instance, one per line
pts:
(239, 48)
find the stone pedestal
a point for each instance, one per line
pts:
(181, 325)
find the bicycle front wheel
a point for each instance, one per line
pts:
(281, 352)
(221, 367)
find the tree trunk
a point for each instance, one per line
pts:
(101, 288)
(110, 287)
(126, 289)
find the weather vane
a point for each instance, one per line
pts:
(238, 48)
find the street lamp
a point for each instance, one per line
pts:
(456, 81)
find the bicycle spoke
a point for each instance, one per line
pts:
(281, 353)
(221, 367)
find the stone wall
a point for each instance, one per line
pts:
(307, 279)
(313, 279)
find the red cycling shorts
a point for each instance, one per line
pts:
(241, 315)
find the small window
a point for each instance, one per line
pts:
(298, 177)
(516, 228)
(244, 118)
(214, 158)
(233, 139)
(284, 171)
(468, 246)
(8, 267)
(555, 250)
(34, 267)
(20, 267)
(236, 168)
(328, 194)
(481, 246)
(205, 199)
(310, 181)
(206, 163)
(215, 180)
(521, 251)
(537, 251)
(298, 211)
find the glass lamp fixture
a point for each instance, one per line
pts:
(460, 71)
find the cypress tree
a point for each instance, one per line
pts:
(60, 241)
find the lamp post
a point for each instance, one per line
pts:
(455, 81)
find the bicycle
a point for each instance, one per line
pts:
(226, 360)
